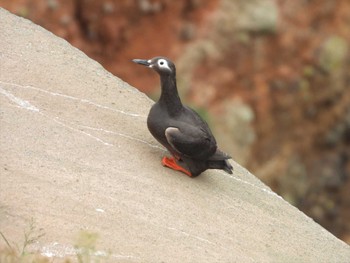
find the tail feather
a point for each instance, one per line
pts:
(219, 160)
(219, 155)
(220, 164)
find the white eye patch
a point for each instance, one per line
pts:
(163, 64)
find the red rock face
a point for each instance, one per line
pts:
(114, 32)
(282, 68)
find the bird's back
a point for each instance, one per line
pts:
(159, 120)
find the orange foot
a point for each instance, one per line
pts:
(171, 163)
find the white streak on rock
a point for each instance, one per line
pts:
(190, 235)
(20, 102)
(74, 98)
(250, 184)
(83, 132)
(122, 135)
(184, 233)
(56, 250)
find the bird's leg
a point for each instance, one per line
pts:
(171, 163)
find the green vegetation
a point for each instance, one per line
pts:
(85, 247)
(15, 253)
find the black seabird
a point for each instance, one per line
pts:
(180, 129)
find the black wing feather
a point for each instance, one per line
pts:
(191, 141)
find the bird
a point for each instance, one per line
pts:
(180, 129)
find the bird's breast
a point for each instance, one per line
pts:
(157, 123)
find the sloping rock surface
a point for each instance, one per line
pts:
(76, 155)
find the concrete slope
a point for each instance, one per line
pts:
(76, 155)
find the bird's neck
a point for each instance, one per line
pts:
(169, 97)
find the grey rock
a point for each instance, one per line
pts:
(333, 53)
(234, 123)
(258, 16)
(76, 155)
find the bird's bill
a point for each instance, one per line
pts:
(143, 62)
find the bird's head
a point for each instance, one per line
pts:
(162, 65)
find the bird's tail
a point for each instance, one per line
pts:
(221, 164)
(220, 161)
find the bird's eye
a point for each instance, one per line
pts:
(162, 62)
(163, 65)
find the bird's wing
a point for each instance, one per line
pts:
(191, 141)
